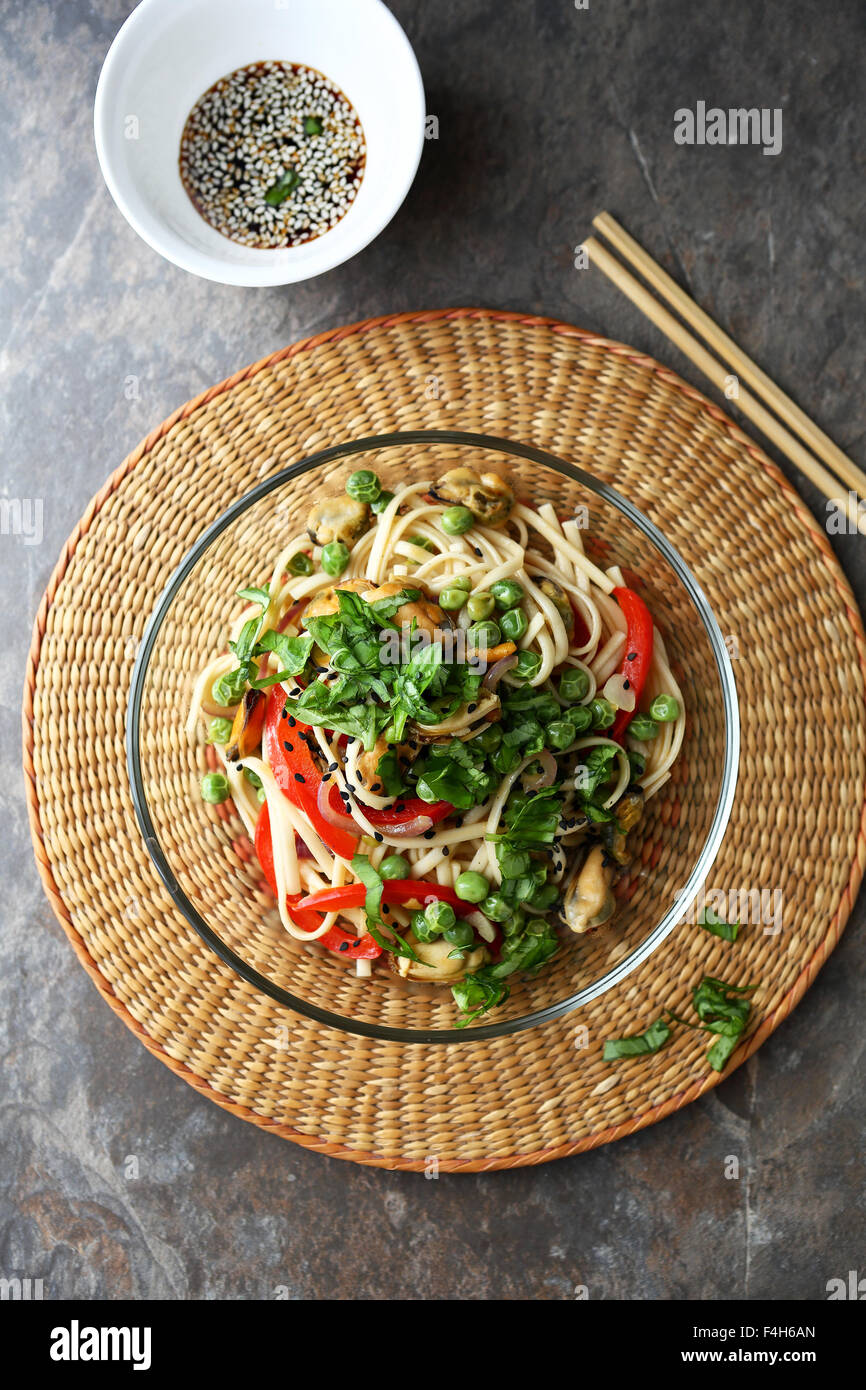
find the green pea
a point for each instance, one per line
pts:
(471, 887)
(461, 934)
(440, 916)
(215, 788)
(580, 719)
(394, 866)
(313, 126)
(560, 733)
(456, 520)
(220, 731)
(544, 897)
(484, 635)
(603, 713)
(229, 689)
(378, 505)
(665, 708)
(514, 623)
(643, 728)
(496, 908)
(507, 593)
(573, 685)
(536, 926)
(421, 928)
(421, 542)
(300, 564)
(261, 796)
(461, 581)
(335, 557)
(363, 485)
(253, 778)
(528, 665)
(451, 599)
(480, 606)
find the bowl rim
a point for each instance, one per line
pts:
(699, 871)
(207, 264)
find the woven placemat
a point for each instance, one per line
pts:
(799, 659)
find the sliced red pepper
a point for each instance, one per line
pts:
(343, 943)
(579, 627)
(399, 890)
(296, 772)
(638, 654)
(405, 809)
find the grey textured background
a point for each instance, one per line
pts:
(547, 114)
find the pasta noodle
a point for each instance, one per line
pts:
(543, 629)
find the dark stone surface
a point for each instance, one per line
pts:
(547, 114)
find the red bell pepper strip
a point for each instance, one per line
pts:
(405, 809)
(299, 776)
(400, 890)
(341, 942)
(638, 655)
(296, 772)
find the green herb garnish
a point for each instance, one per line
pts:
(639, 1044)
(279, 191)
(374, 884)
(710, 922)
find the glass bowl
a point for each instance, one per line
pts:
(203, 854)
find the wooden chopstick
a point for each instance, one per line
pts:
(717, 373)
(747, 370)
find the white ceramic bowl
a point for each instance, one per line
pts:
(167, 55)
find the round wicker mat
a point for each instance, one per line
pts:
(798, 820)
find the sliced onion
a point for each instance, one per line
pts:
(498, 669)
(484, 928)
(547, 777)
(615, 690)
(290, 614)
(336, 818)
(418, 826)
(302, 849)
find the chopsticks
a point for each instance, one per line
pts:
(755, 409)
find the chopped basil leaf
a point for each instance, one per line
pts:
(708, 919)
(639, 1044)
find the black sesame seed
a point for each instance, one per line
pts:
(470, 709)
(376, 787)
(332, 767)
(377, 836)
(344, 945)
(299, 777)
(428, 834)
(632, 656)
(292, 721)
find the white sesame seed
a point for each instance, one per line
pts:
(247, 133)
